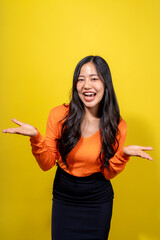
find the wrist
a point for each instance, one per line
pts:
(34, 133)
(125, 152)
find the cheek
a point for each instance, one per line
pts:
(78, 87)
(101, 89)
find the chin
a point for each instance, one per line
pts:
(90, 105)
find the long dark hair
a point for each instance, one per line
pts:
(108, 112)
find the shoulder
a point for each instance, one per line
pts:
(122, 132)
(59, 112)
(122, 129)
(122, 124)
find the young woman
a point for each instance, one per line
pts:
(86, 137)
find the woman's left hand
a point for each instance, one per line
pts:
(135, 150)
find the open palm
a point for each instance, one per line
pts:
(135, 150)
(23, 129)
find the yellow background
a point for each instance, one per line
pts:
(41, 42)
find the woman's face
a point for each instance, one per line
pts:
(90, 88)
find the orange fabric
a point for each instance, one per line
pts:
(83, 160)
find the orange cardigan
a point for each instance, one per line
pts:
(83, 160)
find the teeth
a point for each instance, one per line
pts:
(89, 94)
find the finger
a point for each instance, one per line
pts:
(17, 122)
(148, 157)
(145, 155)
(10, 130)
(146, 148)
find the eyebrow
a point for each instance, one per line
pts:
(89, 75)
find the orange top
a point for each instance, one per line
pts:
(83, 160)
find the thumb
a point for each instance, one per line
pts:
(17, 121)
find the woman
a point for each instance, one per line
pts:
(86, 137)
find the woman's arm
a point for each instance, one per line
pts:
(118, 162)
(43, 153)
(45, 149)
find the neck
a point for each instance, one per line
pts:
(91, 114)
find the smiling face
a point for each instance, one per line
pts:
(90, 88)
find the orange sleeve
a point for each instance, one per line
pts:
(118, 162)
(45, 149)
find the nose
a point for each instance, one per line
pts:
(87, 84)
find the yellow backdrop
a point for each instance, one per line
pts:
(41, 43)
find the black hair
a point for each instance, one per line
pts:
(108, 112)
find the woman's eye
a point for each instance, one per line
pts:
(80, 79)
(94, 79)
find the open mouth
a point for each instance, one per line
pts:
(89, 94)
(88, 97)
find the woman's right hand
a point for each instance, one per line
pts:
(23, 129)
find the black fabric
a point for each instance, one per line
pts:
(82, 207)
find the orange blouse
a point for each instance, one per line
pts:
(83, 160)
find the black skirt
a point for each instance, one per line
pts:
(82, 206)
